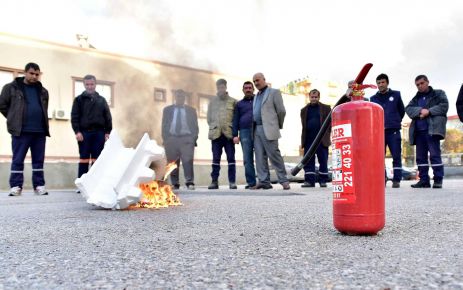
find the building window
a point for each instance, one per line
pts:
(188, 98)
(104, 88)
(159, 95)
(203, 104)
(7, 75)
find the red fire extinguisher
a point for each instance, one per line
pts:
(358, 165)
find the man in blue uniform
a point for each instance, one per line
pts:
(394, 112)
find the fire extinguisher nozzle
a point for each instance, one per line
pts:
(296, 169)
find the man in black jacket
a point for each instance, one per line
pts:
(24, 103)
(91, 121)
(179, 133)
(460, 104)
(312, 117)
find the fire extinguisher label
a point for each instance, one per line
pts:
(342, 162)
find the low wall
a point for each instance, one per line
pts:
(61, 175)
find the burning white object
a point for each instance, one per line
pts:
(113, 180)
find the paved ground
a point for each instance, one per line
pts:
(240, 240)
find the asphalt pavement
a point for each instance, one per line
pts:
(228, 239)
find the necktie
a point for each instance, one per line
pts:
(178, 122)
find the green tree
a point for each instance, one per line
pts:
(408, 153)
(453, 142)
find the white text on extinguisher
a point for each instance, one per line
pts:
(341, 131)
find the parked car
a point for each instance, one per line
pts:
(299, 177)
(407, 173)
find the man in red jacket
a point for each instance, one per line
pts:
(312, 117)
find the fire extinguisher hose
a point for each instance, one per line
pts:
(313, 148)
(345, 98)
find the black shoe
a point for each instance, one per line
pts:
(176, 186)
(214, 185)
(421, 184)
(250, 186)
(232, 185)
(264, 186)
(396, 184)
(323, 184)
(308, 184)
(437, 184)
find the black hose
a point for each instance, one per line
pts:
(345, 98)
(316, 142)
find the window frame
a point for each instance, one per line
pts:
(16, 72)
(98, 82)
(201, 114)
(164, 95)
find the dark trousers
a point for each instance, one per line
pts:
(309, 168)
(247, 144)
(217, 147)
(20, 145)
(181, 148)
(394, 142)
(427, 143)
(89, 149)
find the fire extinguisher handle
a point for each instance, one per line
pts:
(313, 148)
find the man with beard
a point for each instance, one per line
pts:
(312, 117)
(242, 124)
(24, 103)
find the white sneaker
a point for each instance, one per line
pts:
(40, 190)
(15, 191)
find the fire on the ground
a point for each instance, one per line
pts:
(158, 193)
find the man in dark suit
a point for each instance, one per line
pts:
(179, 133)
(312, 117)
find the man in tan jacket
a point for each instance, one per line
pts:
(220, 120)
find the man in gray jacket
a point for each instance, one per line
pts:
(428, 111)
(268, 116)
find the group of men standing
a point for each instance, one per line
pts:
(24, 103)
(427, 110)
(255, 122)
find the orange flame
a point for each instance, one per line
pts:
(169, 168)
(157, 193)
